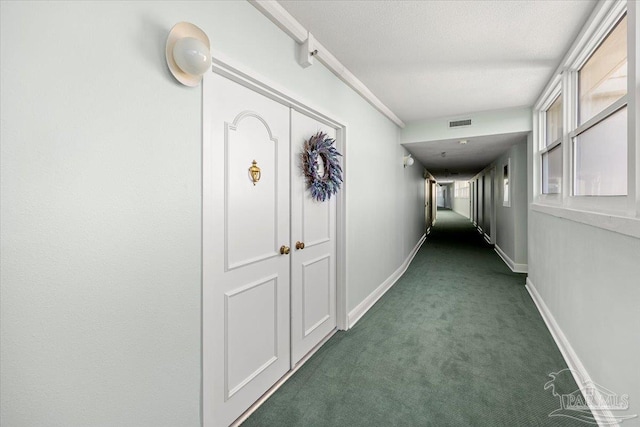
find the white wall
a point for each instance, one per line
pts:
(101, 204)
(414, 204)
(588, 278)
(461, 205)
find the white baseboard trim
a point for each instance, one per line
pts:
(603, 416)
(359, 311)
(487, 238)
(516, 268)
(464, 214)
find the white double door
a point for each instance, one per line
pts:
(267, 300)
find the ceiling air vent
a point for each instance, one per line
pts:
(459, 123)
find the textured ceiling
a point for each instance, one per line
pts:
(462, 161)
(427, 59)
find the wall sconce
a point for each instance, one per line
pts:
(408, 160)
(188, 53)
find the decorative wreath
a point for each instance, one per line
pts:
(320, 146)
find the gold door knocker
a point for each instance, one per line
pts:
(255, 173)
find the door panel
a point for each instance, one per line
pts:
(240, 210)
(247, 358)
(246, 281)
(316, 222)
(316, 295)
(313, 269)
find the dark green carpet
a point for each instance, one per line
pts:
(456, 342)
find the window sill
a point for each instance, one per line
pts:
(628, 226)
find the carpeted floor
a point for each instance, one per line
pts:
(456, 342)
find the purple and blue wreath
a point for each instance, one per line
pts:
(320, 146)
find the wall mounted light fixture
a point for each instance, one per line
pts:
(188, 53)
(408, 160)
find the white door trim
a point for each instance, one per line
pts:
(226, 67)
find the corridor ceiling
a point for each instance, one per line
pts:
(438, 59)
(462, 162)
(429, 59)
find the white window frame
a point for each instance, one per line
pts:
(613, 203)
(617, 210)
(550, 97)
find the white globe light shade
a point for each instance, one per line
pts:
(192, 56)
(410, 161)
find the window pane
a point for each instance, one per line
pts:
(603, 78)
(505, 185)
(554, 121)
(552, 171)
(601, 158)
(461, 189)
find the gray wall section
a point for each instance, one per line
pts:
(445, 195)
(448, 200)
(506, 216)
(588, 278)
(480, 187)
(511, 221)
(414, 203)
(101, 204)
(487, 204)
(519, 200)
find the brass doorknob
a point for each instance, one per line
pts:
(284, 250)
(299, 245)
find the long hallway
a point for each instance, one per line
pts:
(456, 342)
